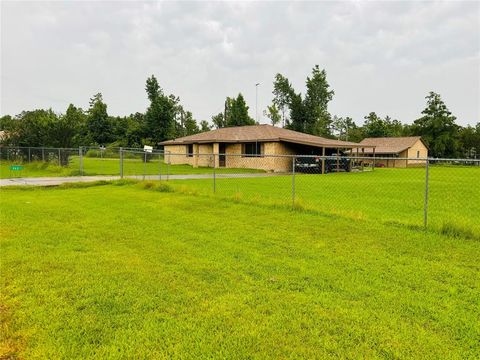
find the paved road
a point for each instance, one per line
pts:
(51, 181)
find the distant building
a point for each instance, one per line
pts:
(396, 150)
(249, 147)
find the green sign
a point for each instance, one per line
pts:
(16, 167)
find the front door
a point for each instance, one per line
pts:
(221, 155)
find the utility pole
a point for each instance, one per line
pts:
(256, 102)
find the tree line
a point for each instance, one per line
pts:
(166, 118)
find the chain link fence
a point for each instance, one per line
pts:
(440, 193)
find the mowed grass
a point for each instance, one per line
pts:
(108, 166)
(386, 195)
(130, 272)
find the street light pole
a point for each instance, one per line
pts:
(256, 102)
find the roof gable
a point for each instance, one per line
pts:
(391, 145)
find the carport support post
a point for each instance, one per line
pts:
(323, 160)
(293, 181)
(425, 206)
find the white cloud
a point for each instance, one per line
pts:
(379, 56)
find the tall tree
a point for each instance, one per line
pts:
(298, 114)
(98, 124)
(273, 114)
(66, 131)
(437, 128)
(374, 126)
(282, 95)
(318, 120)
(219, 121)
(469, 137)
(33, 128)
(204, 126)
(239, 113)
(191, 126)
(160, 115)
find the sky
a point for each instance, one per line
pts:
(379, 56)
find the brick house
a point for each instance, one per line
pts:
(254, 146)
(396, 150)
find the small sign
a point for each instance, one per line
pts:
(16, 167)
(147, 148)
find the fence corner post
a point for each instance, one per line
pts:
(425, 205)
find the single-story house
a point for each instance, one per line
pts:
(250, 147)
(394, 151)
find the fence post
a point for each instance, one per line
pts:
(29, 155)
(43, 154)
(121, 163)
(168, 165)
(425, 205)
(214, 176)
(160, 166)
(80, 156)
(293, 181)
(144, 164)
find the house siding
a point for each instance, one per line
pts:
(177, 154)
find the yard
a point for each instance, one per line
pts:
(137, 271)
(106, 166)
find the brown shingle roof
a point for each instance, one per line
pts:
(390, 145)
(262, 133)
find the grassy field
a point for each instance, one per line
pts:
(107, 166)
(138, 271)
(388, 195)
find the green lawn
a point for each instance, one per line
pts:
(388, 195)
(127, 272)
(107, 166)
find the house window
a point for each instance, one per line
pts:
(189, 149)
(418, 154)
(252, 149)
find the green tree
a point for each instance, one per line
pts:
(219, 121)
(191, 126)
(345, 129)
(237, 112)
(318, 119)
(204, 126)
(160, 115)
(66, 130)
(33, 128)
(282, 96)
(298, 114)
(98, 124)
(469, 138)
(437, 128)
(374, 126)
(273, 114)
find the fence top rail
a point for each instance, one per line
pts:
(326, 157)
(162, 152)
